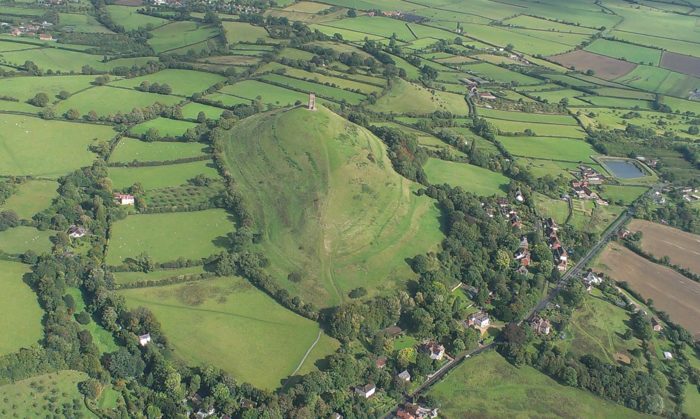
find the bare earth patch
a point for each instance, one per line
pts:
(604, 67)
(671, 291)
(660, 240)
(682, 63)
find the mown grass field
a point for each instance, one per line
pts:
(18, 240)
(154, 177)
(45, 396)
(555, 208)
(133, 277)
(251, 89)
(548, 148)
(166, 127)
(624, 51)
(324, 195)
(167, 237)
(128, 17)
(244, 32)
(180, 34)
(183, 82)
(62, 145)
(624, 194)
(471, 178)
(332, 93)
(31, 197)
(130, 149)
(191, 110)
(488, 386)
(21, 319)
(228, 323)
(107, 100)
(24, 88)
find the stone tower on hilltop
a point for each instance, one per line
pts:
(312, 102)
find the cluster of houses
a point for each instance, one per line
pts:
(415, 411)
(508, 212)
(690, 194)
(561, 257)
(29, 30)
(587, 176)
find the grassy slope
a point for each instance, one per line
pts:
(22, 238)
(154, 177)
(471, 178)
(31, 197)
(31, 398)
(21, 319)
(229, 323)
(328, 202)
(487, 386)
(406, 97)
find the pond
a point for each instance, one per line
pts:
(623, 169)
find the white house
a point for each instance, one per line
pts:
(76, 232)
(479, 320)
(145, 339)
(405, 375)
(668, 355)
(366, 391)
(124, 199)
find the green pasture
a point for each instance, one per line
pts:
(591, 218)
(616, 102)
(169, 236)
(377, 25)
(24, 88)
(62, 145)
(228, 323)
(532, 22)
(81, 23)
(542, 118)
(555, 96)
(130, 19)
(469, 177)
(404, 97)
(624, 194)
(224, 99)
(660, 80)
(130, 149)
(180, 34)
(339, 82)
(488, 386)
(47, 395)
(107, 100)
(21, 319)
(154, 177)
(18, 240)
(548, 207)
(66, 61)
(499, 74)
(324, 195)
(568, 131)
(348, 35)
(597, 327)
(565, 149)
(530, 42)
(192, 110)
(662, 41)
(624, 51)
(332, 93)
(543, 167)
(183, 82)
(245, 32)
(251, 89)
(31, 197)
(166, 127)
(125, 278)
(103, 339)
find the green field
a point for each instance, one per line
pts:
(21, 319)
(332, 93)
(129, 149)
(24, 88)
(251, 89)
(103, 339)
(543, 118)
(568, 131)
(106, 100)
(244, 32)
(65, 61)
(31, 197)
(660, 80)
(18, 240)
(624, 51)
(548, 148)
(624, 194)
(488, 386)
(228, 323)
(48, 395)
(183, 82)
(406, 97)
(166, 237)
(555, 208)
(324, 194)
(127, 17)
(62, 145)
(469, 177)
(154, 177)
(180, 34)
(166, 127)
(191, 110)
(82, 23)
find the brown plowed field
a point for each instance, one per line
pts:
(605, 67)
(672, 292)
(660, 240)
(681, 63)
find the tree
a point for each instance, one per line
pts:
(40, 100)
(201, 117)
(151, 135)
(90, 388)
(693, 130)
(72, 114)
(352, 13)
(63, 95)
(124, 364)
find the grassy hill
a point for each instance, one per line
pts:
(328, 203)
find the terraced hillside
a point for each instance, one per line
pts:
(328, 203)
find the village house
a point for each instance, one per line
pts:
(519, 196)
(45, 37)
(124, 199)
(551, 225)
(561, 257)
(656, 325)
(366, 391)
(76, 232)
(668, 355)
(404, 375)
(590, 175)
(144, 339)
(414, 411)
(434, 349)
(336, 415)
(540, 326)
(515, 220)
(479, 320)
(591, 280)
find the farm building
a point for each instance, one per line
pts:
(124, 199)
(76, 232)
(145, 339)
